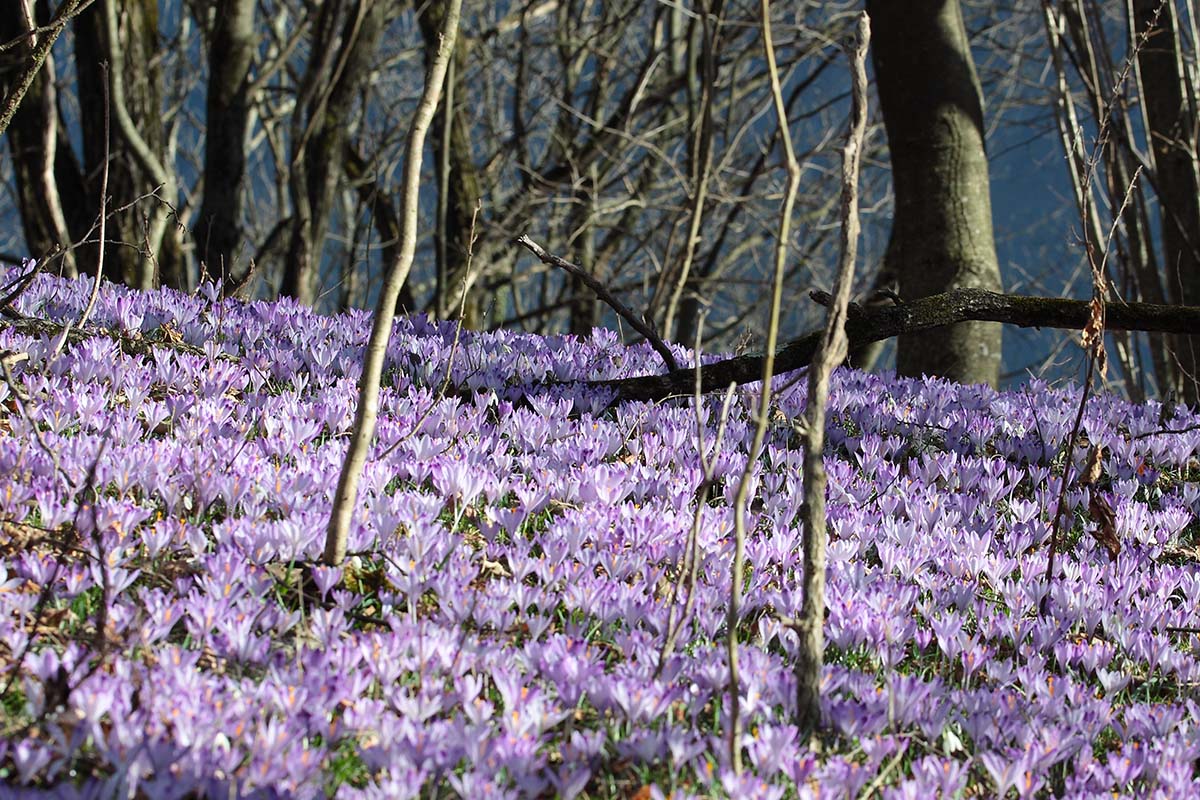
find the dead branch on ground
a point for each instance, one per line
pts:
(864, 326)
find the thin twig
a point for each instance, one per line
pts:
(87, 310)
(20, 397)
(54, 27)
(1060, 506)
(882, 775)
(741, 498)
(596, 286)
(689, 565)
(1093, 332)
(702, 158)
(91, 304)
(1164, 431)
(462, 309)
(67, 545)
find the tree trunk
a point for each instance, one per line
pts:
(1170, 116)
(230, 54)
(131, 59)
(34, 138)
(331, 87)
(942, 229)
(457, 178)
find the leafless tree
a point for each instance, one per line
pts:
(1126, 79)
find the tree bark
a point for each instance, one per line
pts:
(1170, 116)
(330, 89)
(457, 177)
(230, 54)
(942, 229)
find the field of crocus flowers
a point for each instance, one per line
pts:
(165, 482)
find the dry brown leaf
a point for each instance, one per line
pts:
(1092, 468)
(1106, 532)
(1093, 332)
(169, 334)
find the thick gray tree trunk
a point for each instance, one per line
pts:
(942, 229)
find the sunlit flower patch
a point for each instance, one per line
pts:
(498, 631)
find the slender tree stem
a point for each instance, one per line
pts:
(737, 572)
(141, 150)
(832, 352)
(367, 414)
(642, 326)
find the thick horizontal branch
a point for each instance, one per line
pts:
(867, 325)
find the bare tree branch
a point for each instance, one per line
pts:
(49, 35)
(596, 286)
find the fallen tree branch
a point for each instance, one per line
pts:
(131, 343)
(864, 326)
(639, 325)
